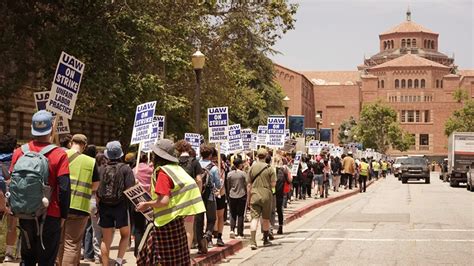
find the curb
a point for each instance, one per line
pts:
(219, 253)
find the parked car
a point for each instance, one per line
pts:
(396, 167)
(415, 168)
(470, 178)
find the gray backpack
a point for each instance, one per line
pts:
(29, 191)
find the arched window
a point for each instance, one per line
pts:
(385, 45)
(403, 83)
(378, 83)
(410, 83)
(441, 83)
(408, 43)
(382, 84)
(417, 84)
(432, 45)
(437, 83)
(391, 44)
(397, 84)
(403, 43)
(422, 83)
(413, 42)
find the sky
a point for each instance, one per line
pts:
(336, 34)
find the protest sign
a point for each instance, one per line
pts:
(157, 130)
(313, 147)
(287, 134)
(325, 134)
(224, 148)
(235, 139)
(296, 163)
(41, 100)
(217, 118)
(144, 117)
(296, 125)
(276, 131)
(195, 141)
(65, 87)
(247, 138)
(253, 144)
(261, 135)
(137, 194)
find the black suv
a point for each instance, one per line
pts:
(415, 168)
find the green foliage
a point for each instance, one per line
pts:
(378, 129)
(461, 120)
(460, 95)
(137, 51)
(348, 125)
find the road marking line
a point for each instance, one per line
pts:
(390, 239)
(336, 229)
(443, 230)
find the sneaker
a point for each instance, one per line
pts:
(204, 243)
(253, 246)
(209, 244)
(9, 258)
(89, 259)
(271, 237)
(220, 243)
(232, 235)
(267, 243)
(98, 261)
(240, 237)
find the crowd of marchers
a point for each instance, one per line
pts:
(67, 200)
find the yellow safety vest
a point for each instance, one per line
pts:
(364, 169)
(185, 198)
(384, 166)
(80, 174)
(375, 166)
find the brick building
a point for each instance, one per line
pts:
(409, 74)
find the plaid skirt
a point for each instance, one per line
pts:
(166, 245)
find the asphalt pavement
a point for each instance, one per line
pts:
(391, 224)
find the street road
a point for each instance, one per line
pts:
(391, 224)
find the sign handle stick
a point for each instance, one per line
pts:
(148, 154)
(140, 146)
(218, 147)
(54, 132)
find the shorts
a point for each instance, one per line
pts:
(318, 179)
(220, 203)
(261, 207)
(113, 216)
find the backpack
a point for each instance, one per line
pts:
(112, 185)
(281, 180)
(29, 184)
(187, 164)
(206, 181)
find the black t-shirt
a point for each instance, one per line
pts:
(190, 165)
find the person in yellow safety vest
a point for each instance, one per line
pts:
(376, 168)
(175, 195)
(363, 174)
(84, 176)
(384, 168)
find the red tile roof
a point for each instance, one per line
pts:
(332, 77)
(408, 26)
(409, 60)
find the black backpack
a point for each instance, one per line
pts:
(207, 185)
(187, 164)
(112, 185)
(280, 182)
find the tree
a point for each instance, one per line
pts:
(348, 125)
(461, 120)
(137, 51)
(378, 129)
(460, 95)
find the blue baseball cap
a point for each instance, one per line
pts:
(42, 123)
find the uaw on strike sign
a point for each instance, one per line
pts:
(144, 116)
(65, 88)
(41, 100)
(218, 121)
(276, 131)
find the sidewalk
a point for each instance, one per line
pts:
(295, 210)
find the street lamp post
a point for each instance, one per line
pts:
(318, 122)
(198, 59)
(286, 104)
(332, 131)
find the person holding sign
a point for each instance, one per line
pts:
(261, 182)
(175, 195)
